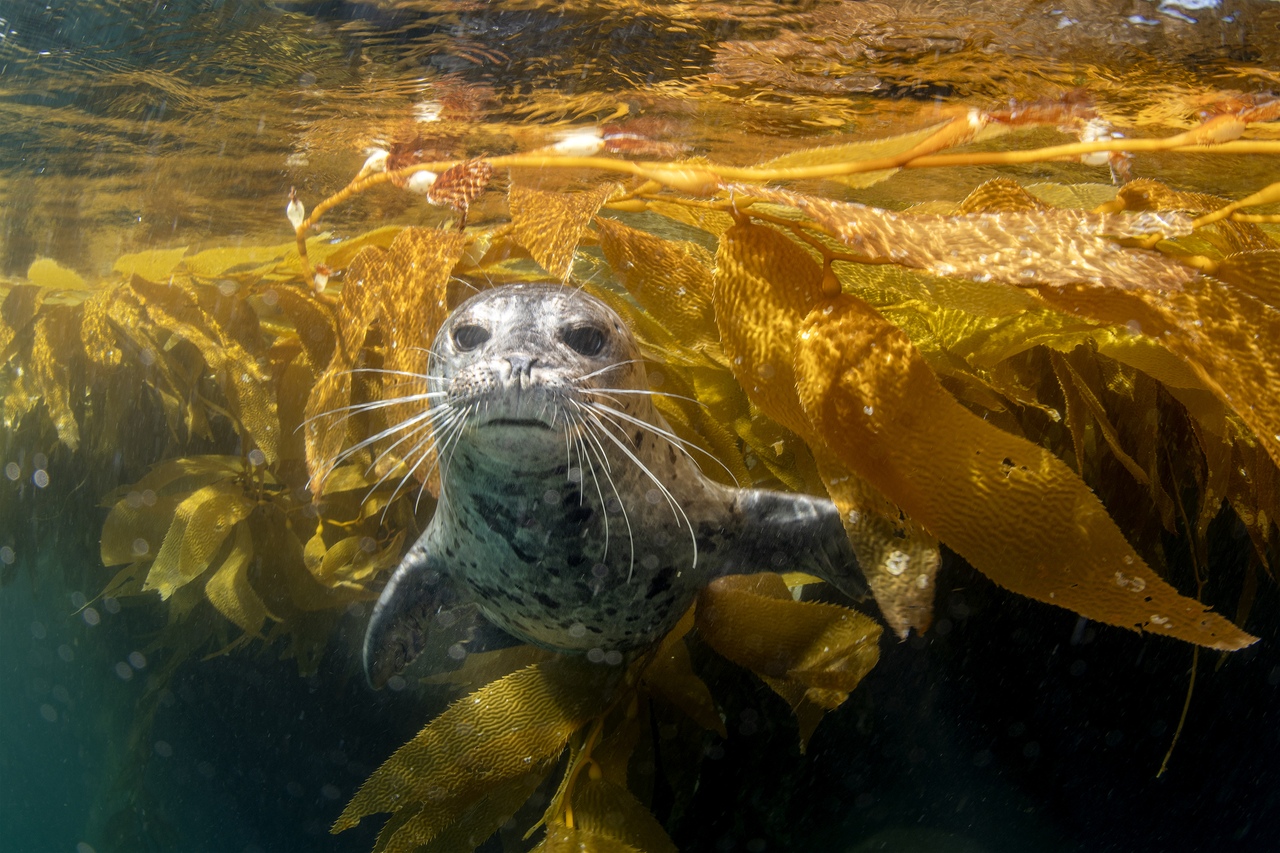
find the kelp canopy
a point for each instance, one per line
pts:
(1064, 381)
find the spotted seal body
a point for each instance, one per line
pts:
(569, 516)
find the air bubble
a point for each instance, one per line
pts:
(39, 460)
(457, 652)
(330, 792)
(577, 629)
(653, 496)
(40, 478)
(6, 555)
(596, 655)
(163, 749)
(613, 657)
(140, 547)
(49, 713)
(257, 458)
(396, 683)
(551, 496)
(66, 653)
(90, 616)
(896, 563)
(38, 630)
(137, 660)
(111, 605)
(13, 470)
(123, 671)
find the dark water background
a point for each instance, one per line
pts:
(1011, 726)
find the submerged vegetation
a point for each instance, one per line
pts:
(1061, 383)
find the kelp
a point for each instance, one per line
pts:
(1056, 382)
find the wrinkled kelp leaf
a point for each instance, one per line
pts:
(812, 654)
(229, 590)
(551, 224)
(1040, 247)
(1011, 508)
(495, 734)
(765, 285)
(201, 522)
(564, 839)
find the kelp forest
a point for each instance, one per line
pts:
(1036, 370)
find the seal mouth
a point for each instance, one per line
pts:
(519, 423)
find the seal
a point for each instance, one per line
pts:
(570, 516)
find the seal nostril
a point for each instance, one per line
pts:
(521, 365)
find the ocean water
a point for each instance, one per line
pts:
(126, 722)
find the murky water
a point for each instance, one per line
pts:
(131, 126)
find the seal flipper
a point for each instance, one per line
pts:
(420, 605)
(794, 532)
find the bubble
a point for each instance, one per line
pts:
(227, 287)
(40, 478)
(60, 693)
(613, 657)
(140, 547)
(396, 683)
(596, 655)
(163, 749)
(123, 671)
(66, 653)
(577, 629)
(137, 660)
(656, 378)
(111, 605)
(39, 460)
(457, 651)
(368, 544)
(90, 616)
(650, 561)
(653, 496)
(148, 497)
(551, 496)
(78, 600)
(38, 630)
(49, 713)
(896, 563)
(270, 298)
(133, 500)
(13, 470)
(330, 792)
(257, 458)
(600, 570)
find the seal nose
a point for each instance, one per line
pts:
(521, 368)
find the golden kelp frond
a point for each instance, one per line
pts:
(1146, 194)
(606, 810)
(495, 734)
(812, 654)
(1040, 247)
(1016, 512)
(670, 279)
(1001, 195)
(551, 224)
(855, 151)
(561, 838)
(766, 284)
(242, 380)
(1223, 335)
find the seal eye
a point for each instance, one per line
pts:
(584, 340)
(469, 337)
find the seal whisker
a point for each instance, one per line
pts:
(432, 435)
(670, 437)
(646, 393)
(675, 505)
(579, 379)
(591, 432)
(588, 464)
(417, 422)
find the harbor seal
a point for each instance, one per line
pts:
(570, 516)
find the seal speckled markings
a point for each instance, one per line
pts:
(569, 514)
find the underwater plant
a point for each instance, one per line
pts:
(1046, 379)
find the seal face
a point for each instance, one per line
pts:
(570, 516)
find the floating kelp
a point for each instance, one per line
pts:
(962, 376)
